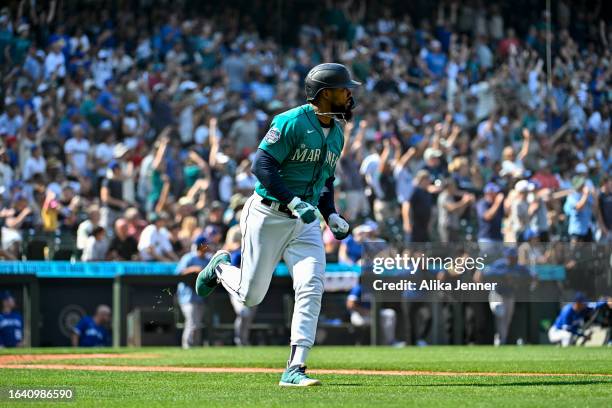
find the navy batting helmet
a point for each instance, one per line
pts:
(327, 76)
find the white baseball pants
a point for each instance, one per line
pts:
(267, 237)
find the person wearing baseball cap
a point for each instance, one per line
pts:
(11, 322)
(192, 305)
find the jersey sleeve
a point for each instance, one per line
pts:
(279, 141)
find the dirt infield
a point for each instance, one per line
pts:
(24, 358)
(19, 362)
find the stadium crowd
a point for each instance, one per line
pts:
(134, 133)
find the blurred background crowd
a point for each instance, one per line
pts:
(126, 135)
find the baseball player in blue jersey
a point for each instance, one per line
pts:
(568, 325)
(91, 331)
(294, 165)
(11, 322)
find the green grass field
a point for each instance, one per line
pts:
(148, 389)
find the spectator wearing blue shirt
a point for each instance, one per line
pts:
(92, 331)
(33, 64)
(435, 60)
(579, 208)
(107, 104)
(567, 327)
(11, 322)
(192, 305)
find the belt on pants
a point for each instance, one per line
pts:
(277, 206)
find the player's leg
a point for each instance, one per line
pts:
(247, 321)
(265, 233)
(506, 319)
(388, 322)
(243, 321)
(305, 259)
(559, 336)
(198, 314)
(191, 325)
(186, 310)
(567, 338)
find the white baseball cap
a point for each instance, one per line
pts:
(106, 125)
(522, 186)
(103, 54)
(581, 168)
(188, 86)
(432, 152)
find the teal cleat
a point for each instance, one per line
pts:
(296, 377)
(207, 278)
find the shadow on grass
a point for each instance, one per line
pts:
(503, 384)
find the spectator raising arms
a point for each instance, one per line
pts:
(163, 115)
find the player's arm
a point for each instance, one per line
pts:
(338, 225)
(266, 168)
(602, 304)
(272, 152)
(326, 201)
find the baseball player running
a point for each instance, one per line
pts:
(294, 165)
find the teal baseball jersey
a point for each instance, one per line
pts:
(307, 157)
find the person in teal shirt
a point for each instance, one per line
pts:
(294, 166)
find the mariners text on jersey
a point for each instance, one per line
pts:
(313, 155)
(307, 157)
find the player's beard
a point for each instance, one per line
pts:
(346, 109)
